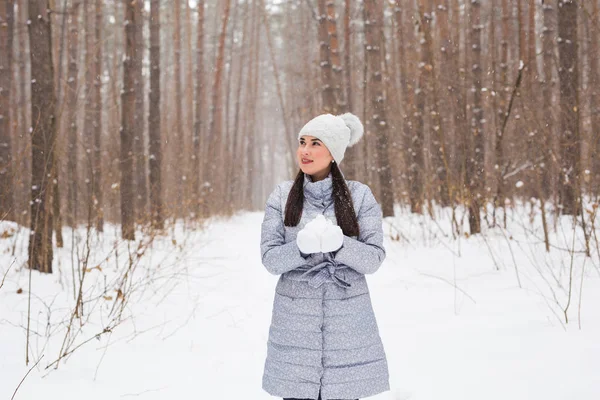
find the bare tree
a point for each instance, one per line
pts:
(128, 124)
(428, 92)
(548, 45)
(141, 190)
(327, 90)
(594, 96)
(238, 135)
(334, 57)
(7, 20)
(347, 62)
(98, 199)
(475, 160)
(72, 94)
(88, 108)
(373, 17)
(216, 134)
(568, 73)
(199, 117)
(178, 132)
(43, 135)
(23, 195)
(414, 103)
(155, 151)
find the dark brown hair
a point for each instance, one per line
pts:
(342, 201)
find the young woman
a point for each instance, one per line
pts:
(322, 234)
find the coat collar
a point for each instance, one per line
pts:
(320, 189)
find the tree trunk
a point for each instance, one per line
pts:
(442, 102)
(327, 88)
(178, 131)
(475, 169)
(408, 110)
(549, 40)
(334, 57)
(416, 169)
(568, 74)
(7, 21)
(197, 160)
(128, 124)
(88, 108)
(98, 198)
(43, 135)
(373, 17)
(351, 158)
(139, 140)
(347, 50)
(501, 165)
(154, 141)
(72, 94)
(594, 97)
(253, 159)
(215, 134)
(238, 135)
(24, 162)
(428, 90)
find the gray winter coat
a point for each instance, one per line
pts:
(323, 334)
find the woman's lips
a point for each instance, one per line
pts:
(306, 161)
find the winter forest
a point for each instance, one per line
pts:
(140, 139)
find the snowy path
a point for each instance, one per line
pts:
(207, 340)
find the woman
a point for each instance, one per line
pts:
(322, 234)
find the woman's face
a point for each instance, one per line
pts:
(313, 157)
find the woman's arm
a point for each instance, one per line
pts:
(277, 256)
(366, 254)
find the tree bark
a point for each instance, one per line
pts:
(197, 160)
(594, 97)
(238, 135)
(7, 22)
(429, 92)
(475, 170)
(178, 131)
(72, 94)
(373, 17)
(327, 89)
(215, 134)
(139, 140)
(43, 135)
(88, 109)
(128, 124)
(334, 56)
(568, 74)
(154, 141)
(347, 52)
(98, 197)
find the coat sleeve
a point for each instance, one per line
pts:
(277, 256)
(366, 254)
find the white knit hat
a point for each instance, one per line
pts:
(336, 132)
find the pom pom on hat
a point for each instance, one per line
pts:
(355, 126)
(336, 132)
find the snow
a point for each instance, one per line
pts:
(454, 322)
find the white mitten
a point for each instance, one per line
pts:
(318, 224)
(308, 241)
(332, 238)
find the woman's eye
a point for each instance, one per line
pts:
(316, 143)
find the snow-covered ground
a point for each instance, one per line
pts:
(455, 323)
